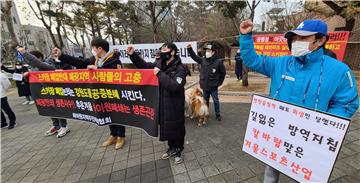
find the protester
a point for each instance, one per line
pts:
(212, 74)
(172, 78)
(102, 59)
(5, 107)
(22, 85)
(238, 66)
(36, 59)
(307, 78)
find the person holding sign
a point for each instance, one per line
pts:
(103, 59)
(212, 74)
(172, 78)
(22, 84)
(307, 78)
(35, 59)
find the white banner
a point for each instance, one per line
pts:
(301, 143)
(147, 51)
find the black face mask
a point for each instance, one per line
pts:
(165, 56)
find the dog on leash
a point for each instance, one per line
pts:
(195, 106)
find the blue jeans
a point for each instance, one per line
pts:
(215, 96)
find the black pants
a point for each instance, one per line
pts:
(5, 107)
(176, 144)
(117, 130)
(59, 123)
(239, 76)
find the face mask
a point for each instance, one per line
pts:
(300, 48)
(94, 53)
(165, 56)
(18, 66)
(208, 54)
(26, 65)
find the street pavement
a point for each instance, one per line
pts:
(212, 153)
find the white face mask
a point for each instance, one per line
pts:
(18, 67)
(94, 53)
(300, 48)
(208, 54)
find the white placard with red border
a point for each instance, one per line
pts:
(299, 142)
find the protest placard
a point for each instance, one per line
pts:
(276, 44)
(299, 142)
(105, 97)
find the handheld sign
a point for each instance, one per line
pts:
(105, 97)
(17, 77)
(299, 142)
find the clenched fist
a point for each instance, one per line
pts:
(130, 50)
(21, 50)
(56, 53)
(246, 26)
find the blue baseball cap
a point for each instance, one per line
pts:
(307, 28)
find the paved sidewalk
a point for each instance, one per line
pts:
(212, 153)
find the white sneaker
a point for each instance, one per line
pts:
(178, 158)
(25, 102)
(52, 131)
(62, 132)
(31, 102)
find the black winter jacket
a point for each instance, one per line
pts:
(212, 71)
(172, 79)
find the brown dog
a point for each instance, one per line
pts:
(195, 106)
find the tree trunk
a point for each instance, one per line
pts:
(111, 30)
(349, 24)
(245, 76)
(9, 46)
(6, 14)
(61, 43)
(98, 29)
(91, 22)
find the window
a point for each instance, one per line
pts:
(263, 26)
(14, 19)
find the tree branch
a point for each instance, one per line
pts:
(143, 11)
(159, 22)
(257, 4)
(334, 6)
(32, 8)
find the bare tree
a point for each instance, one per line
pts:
(6, 15)
(156, 11)
(47, 12)
(252, 8)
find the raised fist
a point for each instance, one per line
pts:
(246, 26)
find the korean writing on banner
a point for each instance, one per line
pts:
(276, 44)
(299, 142)
(126, 97)
(146, 51)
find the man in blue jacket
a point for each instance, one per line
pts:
(307, 78)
